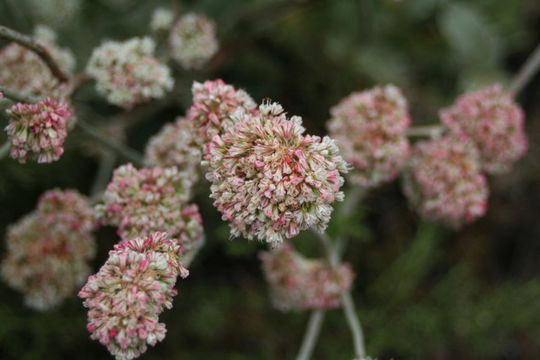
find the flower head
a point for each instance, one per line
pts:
(38, 131)
(271, 181)
(127, 73)
(67, 208)
(213, 104)
(127, 295)
(193, 40)
(492, 119)
(369, 128)
(298, 283)
(162, 20)
(444, 181)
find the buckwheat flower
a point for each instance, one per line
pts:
(38, 131)
(213, 104)
(141, 201)
(127, 73)
(176, 145)
(23, 71)
(67, 208)
(298, 283)
(54, 12)
(370, 130)
(193, 40)
(162, 20)
(47, 259)
(269, 180)
(493, 120)
(127, 295)
(444, 181)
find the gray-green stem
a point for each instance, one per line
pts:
(4, 150)
(526, 73)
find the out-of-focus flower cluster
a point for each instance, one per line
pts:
(22, 70)
(298, 283)
(492, 119)
(48, 250)
(127, 73)
(162, 20)
(193, 40)
(444, 181)
(54, 12)
(370, 129)
(176, 145)
(213, 104)
(127, 295)
(38, 131)
(269, 179)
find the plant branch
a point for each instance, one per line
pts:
(354, 324)
(105, 168)
(526, 73)
(18, 97)
(312, 334)
(4, 150)
(31, 44)
(431, 131)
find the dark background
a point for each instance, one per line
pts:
(422, 291)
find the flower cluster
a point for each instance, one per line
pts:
(213, 104)
(493, 120)
(162, 20)
(127, 295)
(144, 201)
(444, 181)
(193, 40)
(48, 250)
(271, 181)
(56, 12)
(38, 131)
(127, 73)
(370, 130)
(176, 145)
(298, 283)
(23, 71)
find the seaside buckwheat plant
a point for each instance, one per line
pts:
(127, 295)
(213, 104)
(127, 73)
(370, 130)
(176, 145)
(269, 180)
(444, 182)
(141, 201)
(48, 250)
(493, 120)
(297, 283)
(193, 40)
(38, 131)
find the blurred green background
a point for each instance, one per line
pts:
(422, 291)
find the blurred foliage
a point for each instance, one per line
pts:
(422, 292)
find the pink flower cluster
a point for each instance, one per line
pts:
(271, 181)
(492, 119)
(48, 250)
(370, 129)
(38, 131)
(144, 201)
(298, 283)
(213, 104)
(444, 181)
(127, 295)
(176, 145)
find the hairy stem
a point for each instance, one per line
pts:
(31, 44)
(4, 150)
(356, 329)
(312, 334)
(106, 166)
(18, 97)
(526, 73)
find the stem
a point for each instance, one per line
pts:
(18, 97)
(31, 44)
(312, 334)
(124, 151)
(106, 166)
(4, 150)
(526, 73)
(431, 131)
(354, 324)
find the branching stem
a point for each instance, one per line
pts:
(526, 73)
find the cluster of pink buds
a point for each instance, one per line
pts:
(48, 250)
(176, 145)
(127, 295)
(127, 73)
(193, 40)
(269, 179)
(493, 120)
(38, 131)
(298, 283)
(213, 104)
(444, 181)
(370, 130)
(23, 71)
(144, 201)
